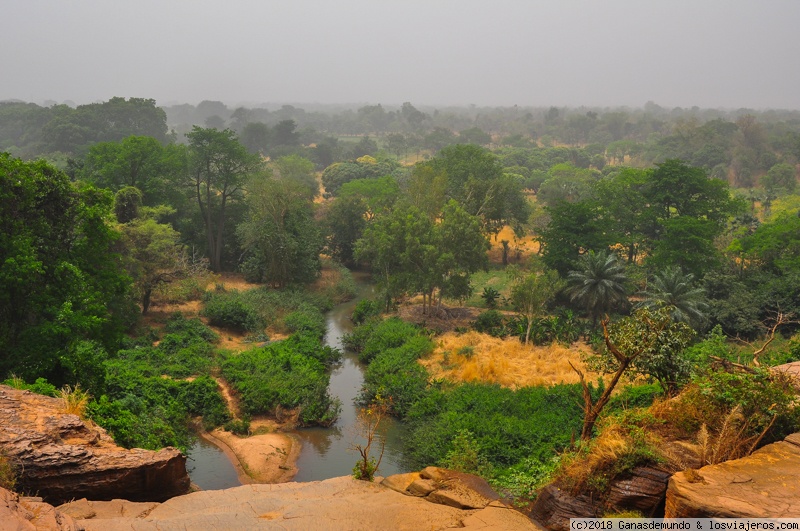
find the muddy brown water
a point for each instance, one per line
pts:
(326, 452)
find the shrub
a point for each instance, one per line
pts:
(281, 375)
(40, 386)
(232, 310)
(306, 321)
(366, 309)
(238, 426)
(387, 334)
(507, 426)
(490, 322)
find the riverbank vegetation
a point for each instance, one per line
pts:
(562, 293)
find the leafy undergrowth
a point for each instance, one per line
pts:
(290, 374)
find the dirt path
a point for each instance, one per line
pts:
(230, 400)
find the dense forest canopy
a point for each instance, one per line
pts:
(651, 235)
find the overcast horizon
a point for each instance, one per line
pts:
(712, 54)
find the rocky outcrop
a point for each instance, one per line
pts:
(60, 457)
(642, 490)
(445, 487)
(765, 484)
(31, 514)
(334, 504)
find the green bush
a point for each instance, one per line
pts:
(366, 309)
(387, 334)
(306, 321)
(233, 310)
(282, 375)
(395, 375)
(507, 426)
(40, 386)
(490, 322)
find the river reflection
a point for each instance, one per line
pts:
(328, 452)
(209, 468)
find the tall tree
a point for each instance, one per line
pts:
(60, 282)
(218, 168)
(280, 238)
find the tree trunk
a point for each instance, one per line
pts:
(146, 300)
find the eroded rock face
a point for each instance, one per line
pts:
(61, 458)
(643, 490)
(765, 484)
(31, 514)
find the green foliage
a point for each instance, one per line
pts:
(391, 333)
(234, 310)
(306, 321)
(395, 375)
(365, 471)
(465, 455)
(766, 403)
(635, 396)
(40, 386)
(506, 426)
(60, 280)
(284, 374)
(281, 239)
(366, 309)
(490, 296)
(490, 322)
(599, 285)
(238, 426)
(673, 289)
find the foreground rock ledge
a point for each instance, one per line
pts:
(334, 504)
(765, 484)
(60, 457)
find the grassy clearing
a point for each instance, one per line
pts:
(476, 357)
(494, 278)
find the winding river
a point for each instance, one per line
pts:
(326, 452)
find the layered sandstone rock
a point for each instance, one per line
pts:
(765, 484)
(60, 457)
(642, 490)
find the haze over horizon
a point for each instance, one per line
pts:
(717, 54)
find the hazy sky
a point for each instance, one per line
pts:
(709, 53)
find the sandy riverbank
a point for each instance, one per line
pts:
(263, 458)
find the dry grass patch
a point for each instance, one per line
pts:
(520, 249)
(476, 357)
(73, 401)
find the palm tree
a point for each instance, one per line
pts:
(599, 284)
(672, 288)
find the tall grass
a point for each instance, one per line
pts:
(73, 400)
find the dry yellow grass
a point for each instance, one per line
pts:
(476, 357)
(527, 246)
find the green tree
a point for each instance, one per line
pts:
(573, 228)
(218, 167)
(781, 179)
(300, 170)
(531, 293)
(153, 255)
(598, 285)
(138, 161)
(648, 341)
(60, 282)
(280, 238)
(674, 290)
(345, 223)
